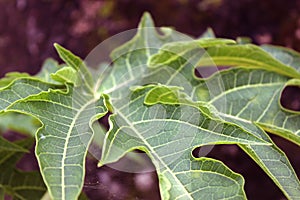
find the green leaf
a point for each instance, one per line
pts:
(164, 95)
(160, 107)
(5, 145)
(49, 67)
(244, 40)
(173, 51)
(20, 123)
(10, 77)
(174, 65)
(171, 68)
(247, 55)
(284, 55)
(66, 75)
(168, 134)
(21, 88)
(130, 60)
(62, 143)
(66, 113)
(77, 64)
(269, 158)
(259, 104)
(16, 183)
(244, 97)
(205, 179)
(276, 165)
(261, 91)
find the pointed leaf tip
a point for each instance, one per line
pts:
(100, 164)
(68, 57)
(146, 21)
(56, 45)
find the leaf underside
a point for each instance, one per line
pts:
(16, 183)
(160, 107)
(247, 97)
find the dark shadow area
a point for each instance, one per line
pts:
(290, 98)
(108, 183)
(28, 28)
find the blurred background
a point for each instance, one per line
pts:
(28, 29)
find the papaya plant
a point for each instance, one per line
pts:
(159, 106)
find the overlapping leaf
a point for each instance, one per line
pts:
(166, 120)
(130, 60)
(286, 56)
(169, 61)
(259, 93)
(174, 64)
(247, 55)
(169, 134)
(17, 87)
(253, 98)
(270, 158)
(66, 115)
(258, 103)
(130, 65)
(9, 146)
(23, 124)
(49, 67)
(15, 183)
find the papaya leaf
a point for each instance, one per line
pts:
(246, 97)
(169, 61)
(168, 134)
(174, 64)
(284, 55)
(66, 75)
(9, 146)
(10, 77)
(261, 91)
(20, 89)
(159, 106)
(16, 183)
(133, 57)
(66, 113)
(49, 67)
(130, 60)
(247, 55)
(269, 162)
(23, 124)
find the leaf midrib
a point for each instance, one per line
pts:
(152, 151)
(131, 125)
(72, 125)
(183, 122)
